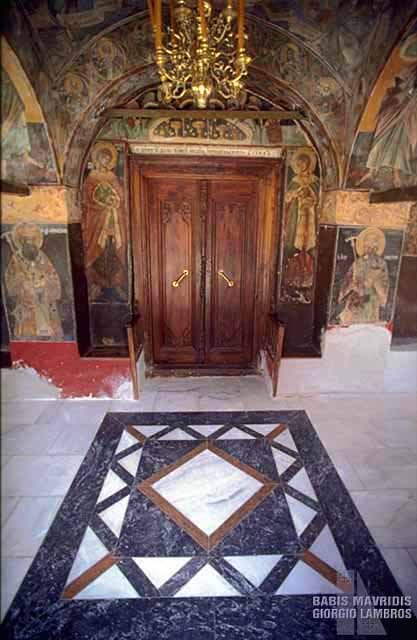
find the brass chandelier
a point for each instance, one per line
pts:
(199, 52)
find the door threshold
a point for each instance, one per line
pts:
(164, 372)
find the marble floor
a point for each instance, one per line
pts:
(370, 438)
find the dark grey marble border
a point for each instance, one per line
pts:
(38, 613)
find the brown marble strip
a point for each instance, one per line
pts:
(328, 572)
(179, 518)
(89, 576)
(171, 467)
(276, 432)
(237, 463)
(139, 436)
(238, 515)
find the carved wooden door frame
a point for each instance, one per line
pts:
(269, 173)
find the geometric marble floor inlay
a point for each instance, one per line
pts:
(200, 526)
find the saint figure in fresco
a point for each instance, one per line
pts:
(15, 142)
(394, 145)
(33, 283)
(300, 231)
(104, 225)
(365, 287)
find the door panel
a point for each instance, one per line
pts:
(174, 224)
(231, 272)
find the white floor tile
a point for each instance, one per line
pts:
(413, 553)
(405, 572)
(8, 503)
(39, 475)
(74, 439)
(32, 439)
(173, 401)
(27, 526)
(390, 515)
(13, 570)
(23, 412)
(75, 411)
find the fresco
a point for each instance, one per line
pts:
(219, 131)
(410, 241)
(105, 223)
(366, 273)
(385, 151)
(300, 227)
(25, 151)
(36, 281)
(353, 208)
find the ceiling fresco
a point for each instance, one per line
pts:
(327, 54)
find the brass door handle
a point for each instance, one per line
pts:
(230, 283)
(176, 283)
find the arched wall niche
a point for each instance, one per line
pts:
(292, 300)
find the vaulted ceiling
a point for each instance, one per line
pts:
(339, 48)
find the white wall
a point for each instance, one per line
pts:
(355, 358)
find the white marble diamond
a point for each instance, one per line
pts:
(207, 582)
(149, 430)
(285, 438)
(113, 516)
(206, 429)
(254, 568)
(264, 429)
(282, 460)
(177, 434)
(207, 490)
(126, 441)
(236, 434)
(304, 579)
(131, 462)
(110, 584)
(160, 570)
(91, 551)
(302, 483)
(112, 484)
(301, 514)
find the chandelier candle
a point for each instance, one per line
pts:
(200, 53)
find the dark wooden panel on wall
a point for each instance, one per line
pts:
(82, 315)
(325, 261)
(405, 318)
(108, 324)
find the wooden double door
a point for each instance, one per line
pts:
(202, 254)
